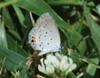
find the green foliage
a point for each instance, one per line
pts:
(77, 20)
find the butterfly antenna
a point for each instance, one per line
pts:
(32, 20)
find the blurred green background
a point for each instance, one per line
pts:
(78, 22)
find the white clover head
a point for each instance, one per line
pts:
(46, 67)
(56, 62)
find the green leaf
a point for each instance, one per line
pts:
(10, 24)
(98, 9)
(82, 47)
(91, 68)
(7, 3)
(20, 16)
(8, 19)
(71, 75)
(13, 60)
(14, 45)
(3, 40)
(65, 2)
(94, 28)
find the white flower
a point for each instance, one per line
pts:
(53, 60)
(67, 64)
(72, 67)
(45, 67)
(56, 62)
(80, 75)
(59, 56)
(16, 74)
(64, 65)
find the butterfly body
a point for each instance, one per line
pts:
(44, 36)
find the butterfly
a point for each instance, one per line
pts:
(45, 36)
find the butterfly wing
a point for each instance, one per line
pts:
(46, 35)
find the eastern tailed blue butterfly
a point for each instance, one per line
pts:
(44, 36)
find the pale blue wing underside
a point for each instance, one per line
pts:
(46, 34)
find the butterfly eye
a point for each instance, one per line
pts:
(33, 40)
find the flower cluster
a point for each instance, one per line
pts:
(57, 62)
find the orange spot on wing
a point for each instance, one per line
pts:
(33, 40)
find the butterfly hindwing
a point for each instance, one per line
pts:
(46, 34)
